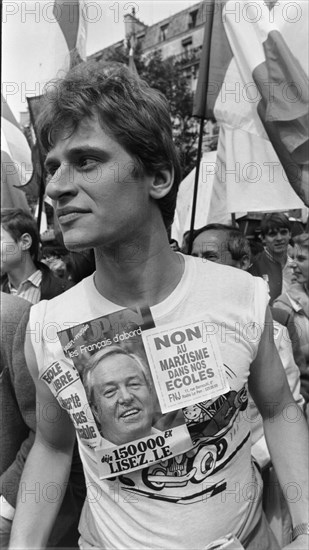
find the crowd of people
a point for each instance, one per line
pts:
(115, 225)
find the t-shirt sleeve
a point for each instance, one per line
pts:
(260, 300)
(256, 313)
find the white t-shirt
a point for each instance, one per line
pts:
(191, 500)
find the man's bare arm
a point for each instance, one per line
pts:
(47, 467)
(285, 428)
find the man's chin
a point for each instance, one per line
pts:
(74, 246)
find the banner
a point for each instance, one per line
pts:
(123, 419)
(261, 103)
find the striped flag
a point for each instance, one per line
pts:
(70, 16)
(64, 26)
(261, 103)
(16, 166)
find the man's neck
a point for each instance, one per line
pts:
(139, 272)
(281, 258)
(20, 273)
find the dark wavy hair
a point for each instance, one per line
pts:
(274, 220)
(131, 112)
(17, 222)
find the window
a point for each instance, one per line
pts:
(140, 38)
(186, 43)
(192, 19)
(163, 32)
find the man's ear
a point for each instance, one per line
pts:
(162, 183)
(26, 241)
(244, 262)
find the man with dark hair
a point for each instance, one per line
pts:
(21, 272)
(114, 179)
(274, 264)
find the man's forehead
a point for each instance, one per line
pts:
(275, 227)
(210, 239)
(70, 129)
(119, 364)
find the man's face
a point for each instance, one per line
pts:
(277, 240)
(11, 252)
(212, 245)
(97, 200)
(301, 263)
(123, 399)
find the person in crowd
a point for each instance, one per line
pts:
(174, 245)
(226, 245)
(120, 394)
(17, 431)
(222, 244)
(295, 301)
(57, 266)
(115, 174)
(21, 273)
(79, 265)
(274, 263)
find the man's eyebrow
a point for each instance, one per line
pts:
(87, 149)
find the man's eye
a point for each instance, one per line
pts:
(135, 384)
(109, 393)
(85, 163)
(51, 170)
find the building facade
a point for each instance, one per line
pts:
(179, 36)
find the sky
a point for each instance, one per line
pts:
(27, 31)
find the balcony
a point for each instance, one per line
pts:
(189, 56)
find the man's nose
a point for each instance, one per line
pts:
(124, 396)
(61, 182)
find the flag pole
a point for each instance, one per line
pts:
(196, 180)
(41, 162)
(200, 103)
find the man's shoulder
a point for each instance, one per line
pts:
(222, 280)
(13, 307)
(223, 273)
(263, 264)
(260, 259)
